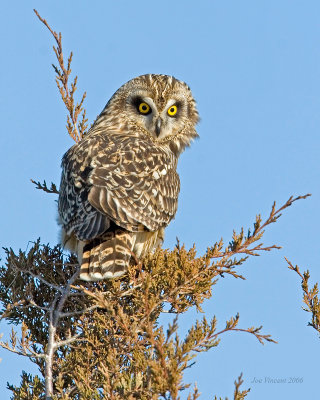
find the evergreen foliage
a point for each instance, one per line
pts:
(310, 297)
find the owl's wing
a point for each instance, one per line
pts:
(75, 211)
(136, 185)
(114, 178)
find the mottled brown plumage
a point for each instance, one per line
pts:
(119, 186)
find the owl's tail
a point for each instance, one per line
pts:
(107, 256)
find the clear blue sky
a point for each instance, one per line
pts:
(253, 67)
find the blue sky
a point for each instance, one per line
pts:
(254, 69)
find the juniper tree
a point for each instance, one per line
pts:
(110, 330)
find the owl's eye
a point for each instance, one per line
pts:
(172, 111)
(144, 108)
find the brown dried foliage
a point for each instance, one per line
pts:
(75, 129)
(310, 296)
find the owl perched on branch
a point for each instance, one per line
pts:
(119, 186)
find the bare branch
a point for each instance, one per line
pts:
(80, 312)
(21, 353)
(67, 341)
(44, 187)
(54, 318)
(38, 277)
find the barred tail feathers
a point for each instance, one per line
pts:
(107, 256)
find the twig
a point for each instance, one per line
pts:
(40, 278)
(80, 312)
(253, 331)
(238, 395)
(75, 129)
(44, 187)
(310, 296)
(67, 341)
(21, 353)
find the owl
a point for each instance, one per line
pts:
(119, 185)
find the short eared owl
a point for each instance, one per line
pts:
(119, 186)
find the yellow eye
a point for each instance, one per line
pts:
(172, 111)
(144, 108)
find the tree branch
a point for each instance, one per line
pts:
(75, 129)
(44, 187)
(54, 317)
(310, 296)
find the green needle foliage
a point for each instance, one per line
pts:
(103, 340)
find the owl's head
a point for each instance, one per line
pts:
(157, 105)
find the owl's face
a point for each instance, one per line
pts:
(157, 105)
(159, 116)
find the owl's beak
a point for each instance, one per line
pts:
(158, 126)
